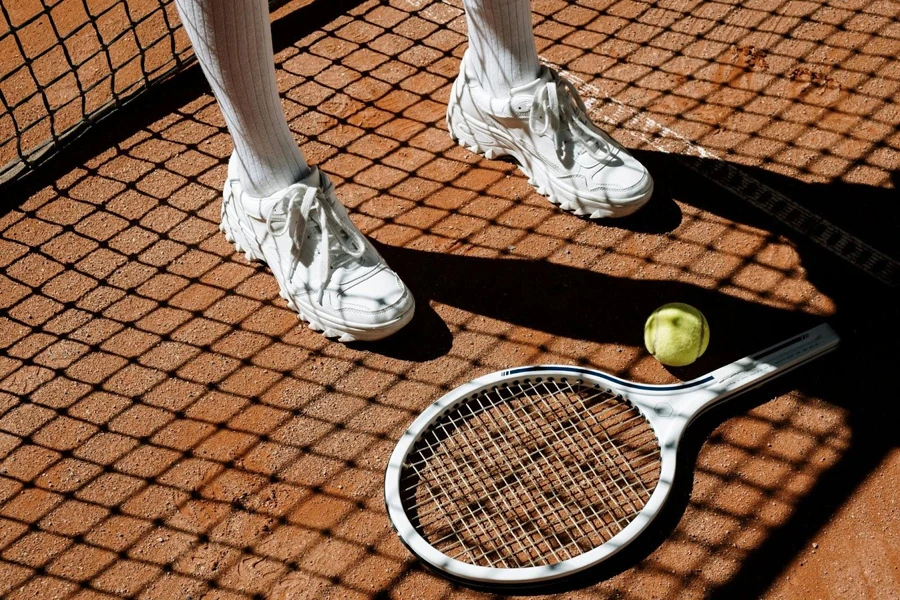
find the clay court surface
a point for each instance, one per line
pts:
(169, 430)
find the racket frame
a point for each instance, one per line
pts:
(668, 408)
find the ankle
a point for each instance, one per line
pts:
(261, 177)
(499, 88)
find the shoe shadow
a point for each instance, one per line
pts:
(571, 303)
(426, 337)
(661, 214)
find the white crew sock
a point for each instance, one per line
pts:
(233, 42)
(502, 52)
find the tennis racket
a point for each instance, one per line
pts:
(533, 474)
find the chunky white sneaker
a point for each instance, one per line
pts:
(326, 269)
(545, 127)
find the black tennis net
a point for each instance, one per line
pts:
(65, 64)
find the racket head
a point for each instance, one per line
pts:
(490, 486)
(664, 410)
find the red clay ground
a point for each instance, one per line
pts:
(167, 430)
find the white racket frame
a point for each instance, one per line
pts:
(668, 408)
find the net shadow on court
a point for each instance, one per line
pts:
(168, 430)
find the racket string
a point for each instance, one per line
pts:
(634, 419)
(608, 472)
(572, 445)
(463, 521)
(576, 446)
(521, 474)
(497, 493)
(621, 522)
(504, 450)
(611, 516)
(616, 447)
(534, 480)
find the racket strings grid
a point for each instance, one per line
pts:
(530, 473)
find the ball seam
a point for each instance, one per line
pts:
(702, 334)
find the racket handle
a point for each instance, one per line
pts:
(756, 369)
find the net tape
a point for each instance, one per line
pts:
(66, 64)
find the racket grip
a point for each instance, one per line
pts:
(774, 361)
(756, 369)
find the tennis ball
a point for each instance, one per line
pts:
(676, 334)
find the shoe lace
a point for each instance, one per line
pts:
(336, 236)
(565, 114)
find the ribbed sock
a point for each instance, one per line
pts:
(502, 51)
(233, 42)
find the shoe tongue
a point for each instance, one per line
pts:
(532, 87)
(276, 205)
(278, 201)
(520, 98)
(320, 181)
(312, 179)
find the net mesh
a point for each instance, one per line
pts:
(530, 473)
(65, 64)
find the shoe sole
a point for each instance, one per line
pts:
(324, 324)
(463, 131)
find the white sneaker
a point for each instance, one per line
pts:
(326, 269)
(545, 127)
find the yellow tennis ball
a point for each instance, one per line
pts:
(676, 334)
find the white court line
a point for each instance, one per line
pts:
(848, 247)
